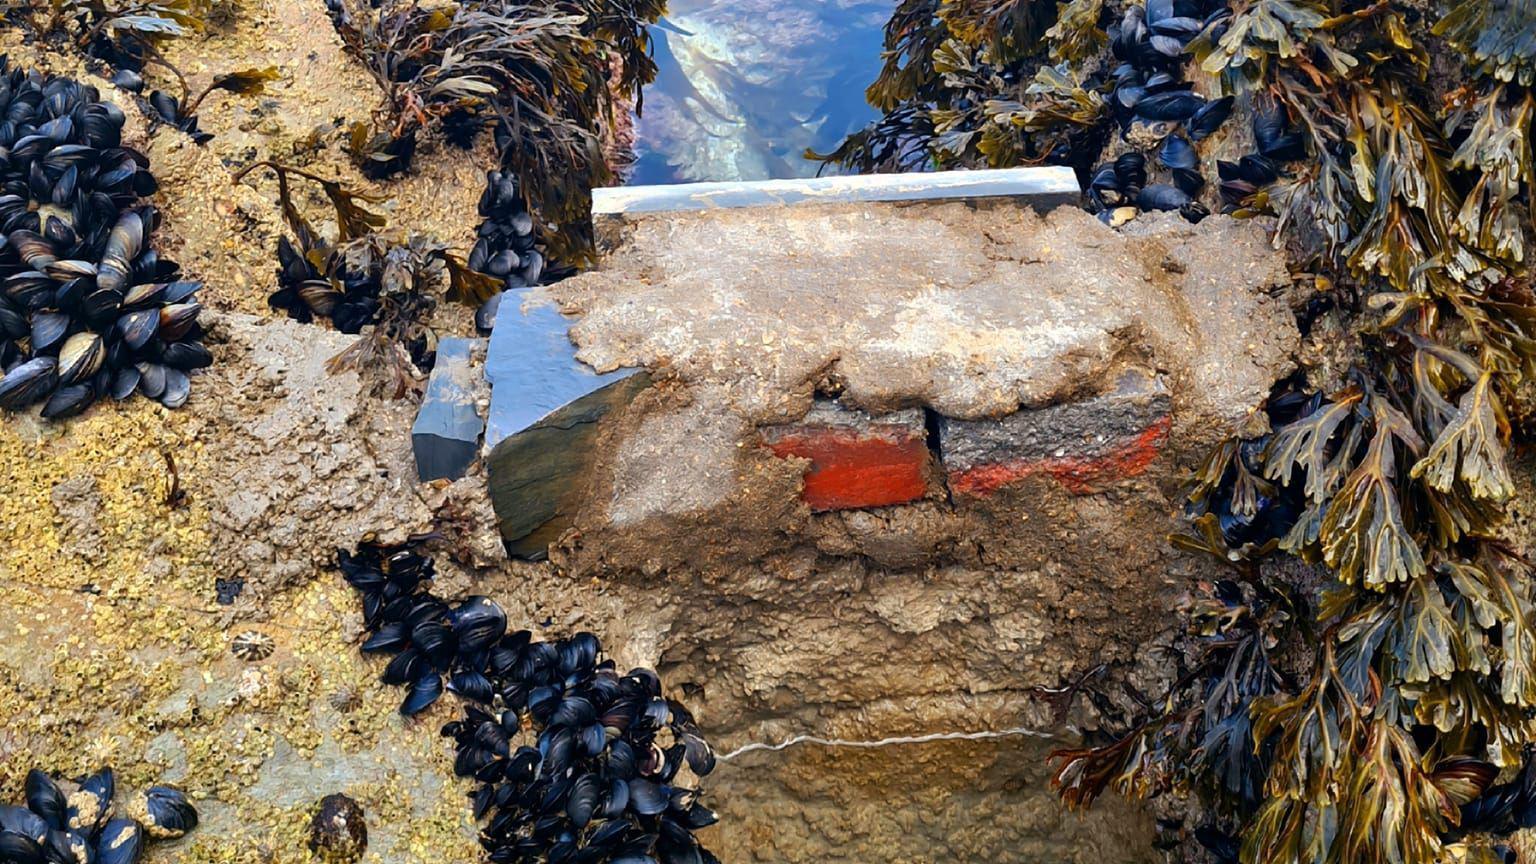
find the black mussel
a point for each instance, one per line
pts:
(152, 379)
(46, 799)
(1189, 180)
(101, 306)
(144, 295)
(424, 691)
(69, 401)
(391, 637)
(478, 623)
(48, 329)
(166, 812)
(472, 685)
(404, 667)
(647, 798)
(1210, 118)
(1177, 153)
(583, 800)
(186, 355)
(20, 820)
(1258, 170)
(1159, 196)
(178, 319)
(1276, 140)
(18, 849)
(137, 328)
(121, 841)
(178, 387)
(1168, 46)
(1131, 172)
(485, 316)
(15, 325)
(80, 357)
(128, 80)
(28, 382)
(1172, 106)
(124, 382)
(123, 245)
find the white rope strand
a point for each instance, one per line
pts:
(885, 742)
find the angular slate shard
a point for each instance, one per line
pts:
(538, 475)
(446, 435)
(532, 366)
(546, 408)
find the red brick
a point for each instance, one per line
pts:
(857, 461)
(1081, 475)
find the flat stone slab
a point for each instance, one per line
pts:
(446, 435)
(1040, 187)
(857, 460)
(531, 364)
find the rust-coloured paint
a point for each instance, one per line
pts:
(853, 471)
(1081, 475)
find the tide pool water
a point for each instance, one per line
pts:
(745, 86)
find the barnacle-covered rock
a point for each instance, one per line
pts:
(83, 292)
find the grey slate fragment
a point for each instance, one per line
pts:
(1075, 429)
(446, 435)
(531, 364)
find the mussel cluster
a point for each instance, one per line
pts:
(87, 308)
(505, 246)
(367, 281)
(79, 826)
(1156, 107)
(575, 761)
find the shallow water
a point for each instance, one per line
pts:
(745, 86)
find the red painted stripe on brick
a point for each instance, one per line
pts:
(1081, 475)
(850, 471)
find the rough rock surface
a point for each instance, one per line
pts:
(768, 620)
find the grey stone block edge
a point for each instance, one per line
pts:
(1042, 188)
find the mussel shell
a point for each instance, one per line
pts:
(102, 305)
(20, 820)
(125, 382)
(48, 329)
(1160, 196)
(121, 841)
(80, 357)
(319, 296)
(1177, 153)
(90, 803)
(18, 849)
(485, 316)
(64, 271)
(169, 813)
(177, 388)
(178, 319)
(123, 245)
(424, 692)
(152, 379)
(129, 80)
(28, 382)
(33, 248)
(139, 327)
(69, 401)
(1171, 106)
(13, 324)
(187, 355)
(179, 292)
(1210, 118)
(147, 294)
(478, 623)
(1189, 180)
(46, 799)
(29, 288)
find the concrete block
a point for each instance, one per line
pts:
(446, 435)
(858, 461)
(1085, 446)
